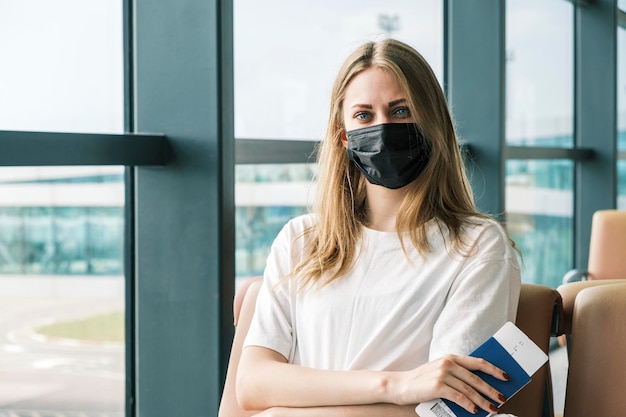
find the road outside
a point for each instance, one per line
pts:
(44, 377)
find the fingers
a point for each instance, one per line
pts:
(468, 397)
(479, 364)
(465, 387)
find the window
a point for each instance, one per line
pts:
(266, 197)
(540, 217)
(61, 228)
(539, 113)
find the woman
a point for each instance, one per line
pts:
(370, 304)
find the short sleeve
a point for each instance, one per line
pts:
(482, 298)
(271, 325)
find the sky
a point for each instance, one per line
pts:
(61, 66)
(62, 62)
(285, 63)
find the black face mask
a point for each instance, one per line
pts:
(390, 154)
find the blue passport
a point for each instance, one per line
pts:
(510, 350)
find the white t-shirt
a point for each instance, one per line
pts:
(390, 312)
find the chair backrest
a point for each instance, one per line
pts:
(243, 310)
(607, 245)
(538, 315)
(596, 380)
(240, 294)
(570, 291)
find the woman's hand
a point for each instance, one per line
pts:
(449, 377)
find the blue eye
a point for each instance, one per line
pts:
(362, 116)
(402, 112)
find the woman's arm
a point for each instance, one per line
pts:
(265, 380)
(373, 410)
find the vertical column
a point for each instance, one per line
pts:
(129, 214)
(184, 211)
(475, 40)
(596, 116)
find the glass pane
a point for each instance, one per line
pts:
(62, 291)
(287, 54)
(266, 196)
(61, 229)
(621, 112)
(539, 217)
(65, 71)
(539, 73)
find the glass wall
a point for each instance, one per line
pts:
(266, 197)
(282, 91)
(61, 229)
(539, 112)
(539, 217)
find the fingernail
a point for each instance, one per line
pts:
(506, 376)
(493, 408)
(502, 398)
(475, 410)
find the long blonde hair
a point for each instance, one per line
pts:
(441, 192)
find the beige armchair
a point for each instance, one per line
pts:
(607, 248)
(539, 315)
(594, 319)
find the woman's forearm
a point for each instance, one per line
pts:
(372, 410)
(265, 380)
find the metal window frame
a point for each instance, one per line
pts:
(184, 214)
(20, 148)
(539, 153)
(274, 151)
(474, 39)
(595, 86)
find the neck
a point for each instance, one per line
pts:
(383, 205)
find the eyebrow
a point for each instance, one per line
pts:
(398, 101)
(390, 104)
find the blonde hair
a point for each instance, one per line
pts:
(441, 192)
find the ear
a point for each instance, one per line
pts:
(344, 138)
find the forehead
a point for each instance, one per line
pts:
(373, 85)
